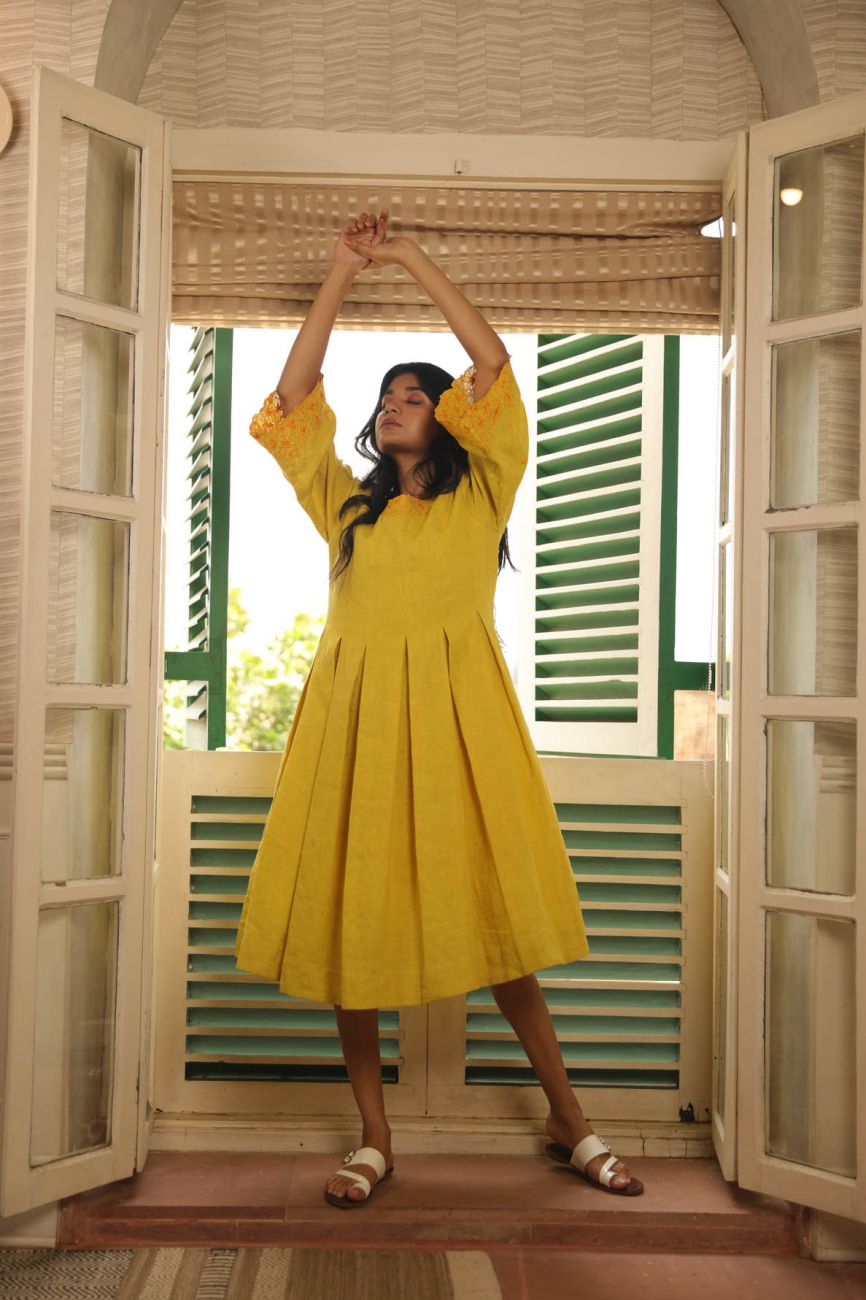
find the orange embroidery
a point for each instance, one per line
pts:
(458, 409)
(406, 503)
(467, 379)
(286, 436)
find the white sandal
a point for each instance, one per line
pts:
(579, 1158)
(363, 1156)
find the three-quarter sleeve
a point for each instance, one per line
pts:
(495, 433)
(302, 443)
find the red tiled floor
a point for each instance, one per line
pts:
(445, 1201)
(268, 1183)
(588, 1275)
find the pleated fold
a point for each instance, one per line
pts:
(268, 903)
(311, 957)
(379, 933)
(530, 915)
(444, 857)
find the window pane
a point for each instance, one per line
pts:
(88, 585)
(818, 219)
(815, 450)
(91, 443)
(732, 277)
(726, 448)
(73, 1055)
(813, 612)
(726, 620)
(723, 760)
(729, 261)
(82, 794)
(721, 1004)
(811, 1079)
(97, 228)
(811, 805)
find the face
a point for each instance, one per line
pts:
(405, 421)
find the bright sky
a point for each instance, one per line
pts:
(279, 560)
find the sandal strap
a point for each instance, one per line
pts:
(606, 1172)
(363, 1156)
(357, 1178)
(369, 1156)
(591, 1145)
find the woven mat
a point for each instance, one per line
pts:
(176, 1273)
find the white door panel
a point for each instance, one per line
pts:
(802, 884)
(84, 750)
(723, 1110)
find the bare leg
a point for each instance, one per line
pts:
(359, 1035)
(522, 1003)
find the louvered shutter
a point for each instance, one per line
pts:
(226, 1032)
(617, 1014)
(203, 665)
(240, 1027)
(592, 641)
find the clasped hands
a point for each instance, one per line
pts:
(365, 242)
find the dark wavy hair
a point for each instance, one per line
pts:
(440, 471)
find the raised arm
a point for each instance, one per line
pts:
(304, 363)
(480, 340)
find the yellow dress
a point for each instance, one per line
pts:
(412, 849)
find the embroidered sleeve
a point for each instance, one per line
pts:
(494, 431)
(287, 437)
(302, 443)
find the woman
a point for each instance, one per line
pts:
(412, 850)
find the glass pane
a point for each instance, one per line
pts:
(73, 1055)
(731, 445)
(729, 260)
(818, 219)
(82, 794)
(88, 585)
(723, 760)
(811, 1065)
(732, 275)
(813, 612)
(815, 448)
(811, 805)
(91, 440)
(97, 227)
(725, 465)
(721, 1002)
(726, 620)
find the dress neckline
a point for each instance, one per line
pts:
(407, 500)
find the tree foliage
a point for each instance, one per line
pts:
(262, 690)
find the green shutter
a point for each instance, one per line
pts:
(597, 511)
(618, 1011)
(604, 581)
(239, 1026)
(203, 665)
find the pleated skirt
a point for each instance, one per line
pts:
(412, 850)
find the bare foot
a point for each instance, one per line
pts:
(569, 1132)
(342, 1186)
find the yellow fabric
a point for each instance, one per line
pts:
(412, 849)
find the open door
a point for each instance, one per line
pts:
(723, 1106)
(801, 776)
(87, 740)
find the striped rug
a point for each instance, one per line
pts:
(177, 1273)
